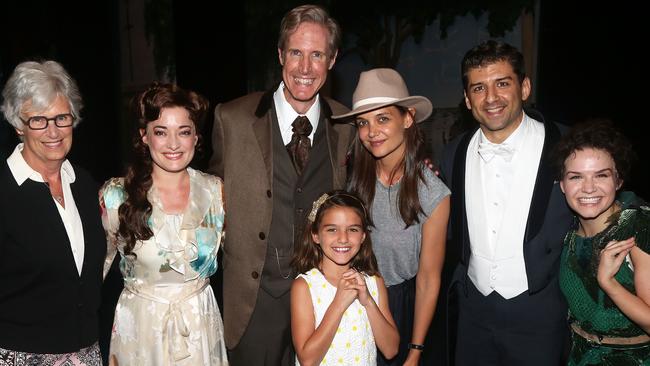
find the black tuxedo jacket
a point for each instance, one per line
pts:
(548, 218)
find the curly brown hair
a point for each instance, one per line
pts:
(147, 106)
(598, 134)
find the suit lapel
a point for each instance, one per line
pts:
(543, 184)
(338, 175)
(261, 126)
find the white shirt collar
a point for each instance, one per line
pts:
(515, 138)
(22, 171)
(286, 114)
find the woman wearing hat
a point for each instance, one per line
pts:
(408, 203)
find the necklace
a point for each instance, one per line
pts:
(58, 199)
(395, 179)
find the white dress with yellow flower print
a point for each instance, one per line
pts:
(167, 313)
(354, 343)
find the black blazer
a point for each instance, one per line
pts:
(548, 219)
(45, 306)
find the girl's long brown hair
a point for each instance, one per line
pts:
(364, 174)
(309, 255)
(134, 213)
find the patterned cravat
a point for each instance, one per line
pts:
(488, 150)
(300, 145)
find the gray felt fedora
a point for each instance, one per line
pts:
(379, 88)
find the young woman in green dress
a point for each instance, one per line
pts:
(605, 265)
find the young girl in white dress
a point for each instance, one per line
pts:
(339, 308)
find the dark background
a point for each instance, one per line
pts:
(589, 65)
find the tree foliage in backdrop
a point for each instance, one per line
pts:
(159, 23)
(376, 30)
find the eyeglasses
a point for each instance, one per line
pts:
(40, 122)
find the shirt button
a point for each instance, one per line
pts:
(268, 193)
(494, 231)
(262, 236)
(498, 175)
(494, 277)
(255, 275)
(299, 190)
(495, 203)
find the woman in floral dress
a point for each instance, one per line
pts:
(166, 219)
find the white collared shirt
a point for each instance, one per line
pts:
(498, 197)
(69, 215)
(286, 115)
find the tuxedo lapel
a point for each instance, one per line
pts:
(543, 184)
(458, 209)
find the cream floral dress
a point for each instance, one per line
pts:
(167, 313)
(354, 343)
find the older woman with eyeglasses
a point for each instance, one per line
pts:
(52, 244)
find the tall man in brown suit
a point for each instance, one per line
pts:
(275, 163)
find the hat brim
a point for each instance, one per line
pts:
(422, 106)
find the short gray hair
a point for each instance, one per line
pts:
(38, 83)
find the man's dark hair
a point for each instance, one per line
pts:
(490, 52)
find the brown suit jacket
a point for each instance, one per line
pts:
(242, 143)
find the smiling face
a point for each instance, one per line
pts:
(171, 140)
(382, 132)
(495, 96)
(340, 235)
(46, 149)
(590, 183)
(305, 63)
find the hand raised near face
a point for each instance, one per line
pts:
(611, 258)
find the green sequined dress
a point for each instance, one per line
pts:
(589, 306)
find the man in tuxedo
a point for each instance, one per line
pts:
(277, 152)
(508, 219)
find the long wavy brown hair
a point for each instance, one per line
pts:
(134, 213)
(309, 255)
(364, 174)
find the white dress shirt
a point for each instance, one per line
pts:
(499, 191)
(69, 214)
(286, 115)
